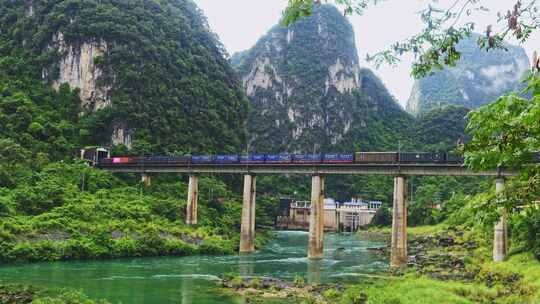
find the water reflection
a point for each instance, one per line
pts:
(314, 270)
(246, 265)
(191, 280)
(187, 297)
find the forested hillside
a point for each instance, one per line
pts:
(150, 75)
(478, 78)
(441, 128)
(308, 91)
(140, 74)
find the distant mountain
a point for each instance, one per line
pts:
(480, 77)
(308, 92)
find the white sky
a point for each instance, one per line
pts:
(239, 23)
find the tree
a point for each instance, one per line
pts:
(435, 46)
(505, 133)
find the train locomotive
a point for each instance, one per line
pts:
(285, 158)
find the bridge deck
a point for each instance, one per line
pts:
(309, 169)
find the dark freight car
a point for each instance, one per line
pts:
(156, 159)
(421, 157)
(454, 158)
(376, 157)
(179, 159)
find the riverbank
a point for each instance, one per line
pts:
(22, 294)
(446, 265)
(74, 212)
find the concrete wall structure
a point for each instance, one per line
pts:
(316, 218)
(398, 256)
(500, 236)
(192, 201)
(247, 229)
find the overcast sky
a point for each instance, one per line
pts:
(239, 23)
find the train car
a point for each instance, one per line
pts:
(376, 157)
(452, 158)
(93, 155)
(421, 157)
(179, 159)
(278, 159)
(202, 159)
(338, 158)
(155, 159)
(105, 162)
(307, 158)
(227, 159)
(252, 159)
(123, 160)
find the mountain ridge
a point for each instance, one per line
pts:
(308, 91)
(478, 78)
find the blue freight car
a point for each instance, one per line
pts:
(306, 158)
(226, 159)
(253, 159)
(278, 158)
(202, 159)
(338, 158)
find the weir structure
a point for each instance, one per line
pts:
(400, 172)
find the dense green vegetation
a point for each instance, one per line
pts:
(168, 74)
(71, 211)
(19, 294)
(171, 86)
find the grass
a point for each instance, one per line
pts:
(418, 230)
(496, 283)
(409, 289)
(15, 294)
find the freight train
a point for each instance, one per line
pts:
(331, 158)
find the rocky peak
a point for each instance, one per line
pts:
(478, 78)
(305, 85)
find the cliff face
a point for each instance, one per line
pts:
(150, 74)
(479, 77)
(308, 91)
(78, 69)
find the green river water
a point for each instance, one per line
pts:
(194, 279)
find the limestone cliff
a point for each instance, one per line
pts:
(308, 91)
(479, 77)
(77, 68)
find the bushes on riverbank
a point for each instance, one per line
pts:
(20, 294)
(71, 211)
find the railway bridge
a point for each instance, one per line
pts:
(400, 172)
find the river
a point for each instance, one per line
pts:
(193, 279)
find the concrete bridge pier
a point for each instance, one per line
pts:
(399, 224)
(192, 200)
(500, 236)
(316, 218)
(146, 179)
(247, 229)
